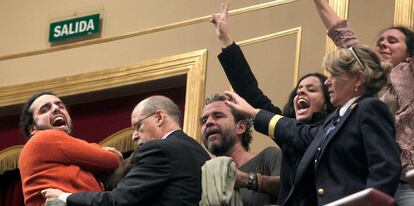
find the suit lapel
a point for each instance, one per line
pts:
(344, 118)
(309, 156)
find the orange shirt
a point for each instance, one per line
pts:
(53, 159)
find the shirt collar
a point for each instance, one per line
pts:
(347, 105)
(166, 135)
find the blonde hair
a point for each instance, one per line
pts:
(359, 58)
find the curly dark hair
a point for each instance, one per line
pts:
(26, 116)
(246, 138)
(289, 109)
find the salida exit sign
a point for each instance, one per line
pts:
(74, 28)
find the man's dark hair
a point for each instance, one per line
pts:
(26, 116)
(247, 135)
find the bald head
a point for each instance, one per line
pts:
(151, 104)
(154, 117)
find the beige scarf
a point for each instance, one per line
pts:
(218, 179)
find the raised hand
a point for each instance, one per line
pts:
(239, 104)
(220, 24)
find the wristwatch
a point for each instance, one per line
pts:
(252, 182)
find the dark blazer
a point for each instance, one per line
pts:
(165, 172)
(242, 80)
(359, 153)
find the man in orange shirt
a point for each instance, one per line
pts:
(166, 169)
(53, 158)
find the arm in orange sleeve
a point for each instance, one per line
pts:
(89, 156)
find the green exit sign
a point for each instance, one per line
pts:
(74, 28)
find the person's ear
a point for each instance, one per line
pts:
(160, 117)
(359, 79)
(32, 129)
(241, 127)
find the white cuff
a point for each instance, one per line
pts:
(64, 196)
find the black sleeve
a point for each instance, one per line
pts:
(242, 79)
(285, 131)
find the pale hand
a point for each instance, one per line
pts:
(51, 194)
(220, 24)
(113, 150)
(242, 179)
(239, 104)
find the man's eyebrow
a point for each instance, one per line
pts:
(44, 105)
(60, 102)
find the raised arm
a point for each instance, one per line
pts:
(328, 16)
(221, 26)
(235, 65)
(338, 29)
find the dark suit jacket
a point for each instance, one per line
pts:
(242, 80)
(165, 172)
(359, 153)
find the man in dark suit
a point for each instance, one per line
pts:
(167, 167)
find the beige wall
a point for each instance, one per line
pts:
(274, 61)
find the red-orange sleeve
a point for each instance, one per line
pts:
(89, 156)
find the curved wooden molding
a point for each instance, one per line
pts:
(192, 64)
(121, 140)
(9, 158)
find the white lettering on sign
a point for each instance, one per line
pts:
(73, 28)
(57, 31)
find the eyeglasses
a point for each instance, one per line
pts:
(138, 124)
(356, 57)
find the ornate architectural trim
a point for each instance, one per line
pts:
(9, 158)
(145, 31)
(121, 140)
(297, 31)
(404, 13)
(341, 9)
(192, 64)
(185, 64)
